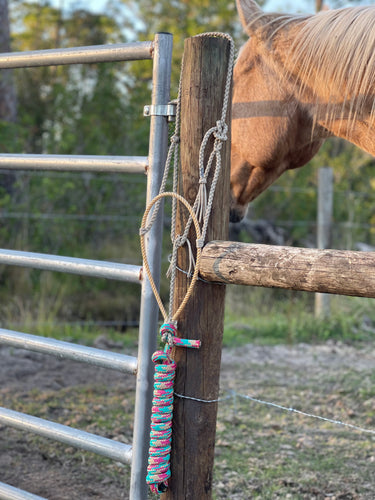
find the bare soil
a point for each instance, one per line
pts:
(261, 451)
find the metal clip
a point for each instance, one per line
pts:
(168, 110)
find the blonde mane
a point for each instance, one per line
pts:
(331, 55)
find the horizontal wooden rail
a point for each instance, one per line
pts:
(341, 272)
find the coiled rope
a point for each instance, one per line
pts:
(158, 471)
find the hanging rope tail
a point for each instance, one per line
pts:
(158, 471)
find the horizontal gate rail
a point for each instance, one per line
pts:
(77, 55)
(8, 492)
(123, 164)
(105, 447)
(67, 350)
(72, 265)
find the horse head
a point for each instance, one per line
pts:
(273, 130)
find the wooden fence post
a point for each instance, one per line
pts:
(197, 375)
(324, 230)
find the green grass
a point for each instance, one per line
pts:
(269, 317)
(266, 453)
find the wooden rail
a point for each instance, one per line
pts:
(341, 272)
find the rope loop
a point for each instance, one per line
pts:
(194, 278)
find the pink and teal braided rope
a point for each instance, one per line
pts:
(158, 470)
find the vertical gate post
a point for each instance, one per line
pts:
(197, 375)
(162, 57)
(324, 230)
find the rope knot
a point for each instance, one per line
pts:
(179, 241)
(221, 132)
(168, 334)
(175, 139)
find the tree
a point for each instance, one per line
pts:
(8, 102)
(182, 18)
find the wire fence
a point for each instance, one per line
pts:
(232, 396)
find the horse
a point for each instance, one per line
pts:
(298, 80)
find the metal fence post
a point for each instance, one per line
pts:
(162, 57)
(324, 230)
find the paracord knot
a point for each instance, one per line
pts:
(167, 333)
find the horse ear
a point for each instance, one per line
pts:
(248, 12)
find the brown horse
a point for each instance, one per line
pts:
(297, 81)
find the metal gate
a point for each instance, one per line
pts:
(135, 454)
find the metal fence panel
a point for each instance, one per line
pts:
(72, 265)
(8, 492)
(161, 52)
(83, 163)
(68, 435)
(149, 308)
(68, 350)
(77, 55)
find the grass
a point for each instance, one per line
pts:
(265, 453)
(265, 316)
(261, 452)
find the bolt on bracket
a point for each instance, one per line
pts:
(167, 110)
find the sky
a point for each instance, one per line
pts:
(92, 5)
(292, 6)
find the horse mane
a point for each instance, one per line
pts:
(331, 55)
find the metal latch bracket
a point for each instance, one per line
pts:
(167, 110)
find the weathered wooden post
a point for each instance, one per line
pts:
(197, 375)
(324, 230)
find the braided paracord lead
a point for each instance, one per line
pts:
(158, 470)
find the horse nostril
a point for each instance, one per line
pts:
(236, 215)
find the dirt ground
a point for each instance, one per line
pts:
(319, 378)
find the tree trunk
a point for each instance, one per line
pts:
(8, 101)
(318, 5)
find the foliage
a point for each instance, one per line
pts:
(182, 18)
(97, 109)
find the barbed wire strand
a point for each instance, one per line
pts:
(233, 394)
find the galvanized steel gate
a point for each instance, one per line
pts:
(160, 51)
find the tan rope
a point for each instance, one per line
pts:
(201, 209)
(143, 232)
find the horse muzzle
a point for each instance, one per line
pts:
(237, 213)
